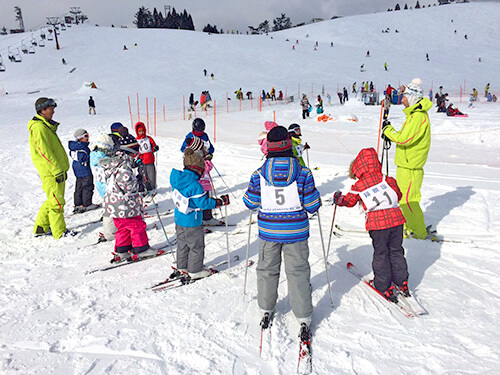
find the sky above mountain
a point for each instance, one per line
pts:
(227, 14)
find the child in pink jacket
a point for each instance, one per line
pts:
(263, 136)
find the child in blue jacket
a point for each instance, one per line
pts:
(84, 188)
(190, 199)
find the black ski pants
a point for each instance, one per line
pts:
(389, 263)
(84, 190)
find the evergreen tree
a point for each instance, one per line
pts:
(211, 29)
(143, 18)
(397, 7)
(281, 23)
(406, 6)
(264, 27)
(417, 6)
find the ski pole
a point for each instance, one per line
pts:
(162, 227)
(248, 248)
(227, 243)
(307, 155)
(325, 260)
(215, 193)
(331, 232)
(223, 181)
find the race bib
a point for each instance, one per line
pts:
(182, 203)
(379, 197)
(99, 175)
(144, 145)
(300, 150)
(279, 199)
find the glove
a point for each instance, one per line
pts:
(306, 146)
(156, 148)
(138, 161)
(385, 124)
(222, 201)
(337, 198)
(61, 177)
(209, 156)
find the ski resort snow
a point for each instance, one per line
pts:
(56, 318)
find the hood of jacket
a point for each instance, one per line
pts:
(270, 125)
(422, 105)
(366, 162)
(280, 171)
(77, 146)
(140, 125)
(50, 124)
(182, 179)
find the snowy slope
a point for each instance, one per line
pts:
(57, 320)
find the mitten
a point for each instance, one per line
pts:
(337, 198)
(209, 156)
(306, 146)
(222, 201)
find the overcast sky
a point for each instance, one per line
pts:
(227, 14)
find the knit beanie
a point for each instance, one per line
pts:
(115, 126)
(270, 125)
(193, 161)
(194, 143)
(80, 133)
(279, 142)
(414, 91)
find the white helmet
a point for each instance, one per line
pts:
(105, 143)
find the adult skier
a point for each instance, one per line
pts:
(51, 161)
(413, 142)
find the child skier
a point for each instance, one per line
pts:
(379, 196)
(104, 148)
(304, 103)
(198, 130)
(319, 105)
(284, 192)
(84, 187)
(298, 148)
(124, 204)
(147, 148)
(189, 199)
(262, 140)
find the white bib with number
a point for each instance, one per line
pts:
(379, 197)
(182, 203)
(279, 199)
(300, 150)
(144, 145)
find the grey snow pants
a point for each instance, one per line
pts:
(148, 174)
(389, 263)
(190, 248)
(298, 273)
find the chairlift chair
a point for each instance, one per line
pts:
(17, 56)
(41, 43)
(2, 67)
(31, 50)
(42, 35)
(50, 37)
(63, 27)
(24, 48)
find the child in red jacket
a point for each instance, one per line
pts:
(147, 147)
(379, 195)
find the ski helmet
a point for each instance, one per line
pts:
(105, 143)
(199, 125)
(295, 129)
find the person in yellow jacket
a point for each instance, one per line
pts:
(413, 142)
(51, 161)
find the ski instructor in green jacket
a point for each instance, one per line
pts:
(413, 142)
(51, 161)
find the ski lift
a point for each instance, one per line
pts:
(33, 41)
(42, 35)
(2, 67)
(31, 50)
(41, 43)
(17, 56)
(63, 27)
(50, 37)
(24, 48)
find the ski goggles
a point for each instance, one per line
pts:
(46, 104)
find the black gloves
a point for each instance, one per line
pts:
(156, 148)
(209, 156)
(385, 124)
(223, 200)
(61, 177)
(306, 146)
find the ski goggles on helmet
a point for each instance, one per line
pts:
(45, 104)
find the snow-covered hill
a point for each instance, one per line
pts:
(57, 320)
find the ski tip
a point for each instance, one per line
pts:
(349, 264)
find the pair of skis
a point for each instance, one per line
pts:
(408, 306)
(304, 365)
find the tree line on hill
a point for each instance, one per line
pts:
(145, 19)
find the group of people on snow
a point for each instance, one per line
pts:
(282, 190)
